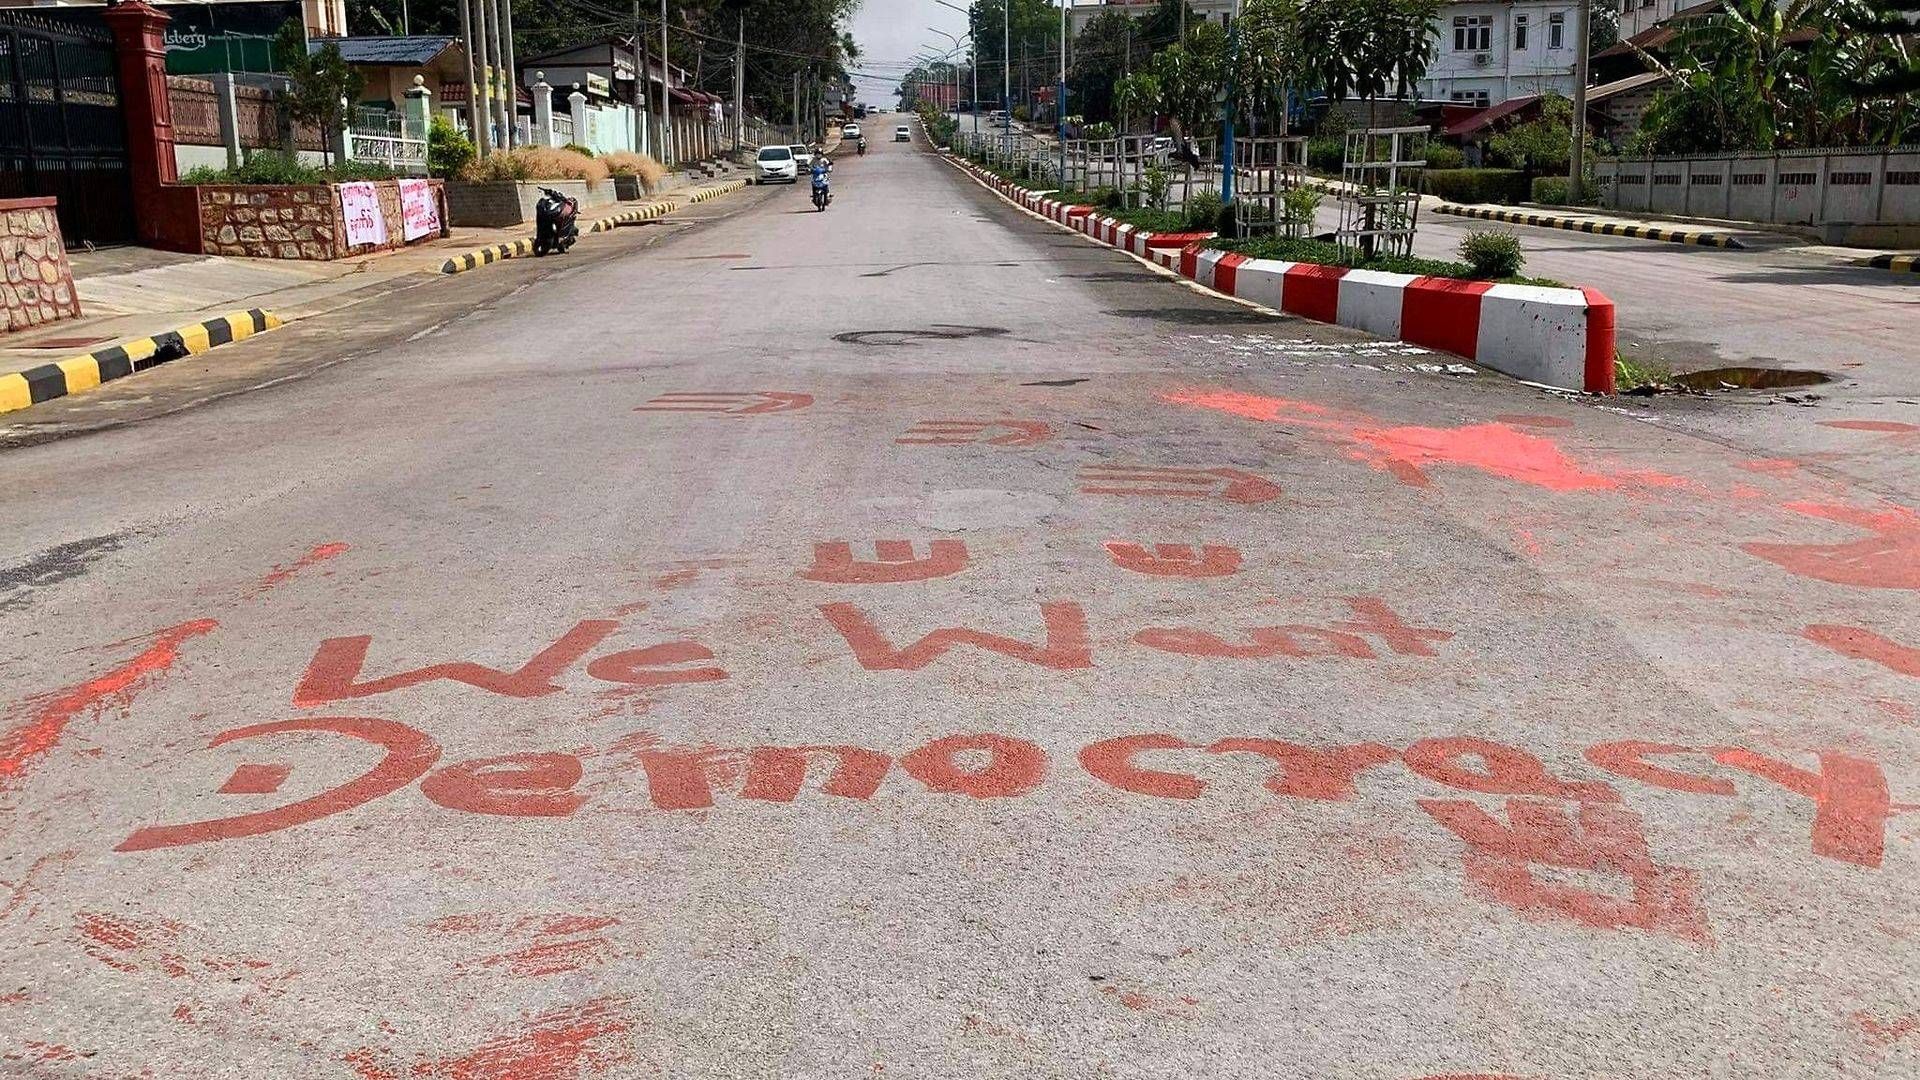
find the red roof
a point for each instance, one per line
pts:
(1489, 115)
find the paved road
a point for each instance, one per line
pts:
(1190, 693)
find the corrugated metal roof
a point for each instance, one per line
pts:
(1621, 86)
(415, 51)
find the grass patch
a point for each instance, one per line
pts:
(1628, 374)
(1327, 254)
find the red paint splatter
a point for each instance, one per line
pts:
(1852, 641)
(561, 1044)
(51, 1052)
(15, 997)
(48, 715)
(1406, 451)
(1893, 427)
(558, 943)
(1770, 465)
(1888, 559)
(132, 944)
(673, 579)
(1141, 1001)
(280, 575)
(1882, 1033)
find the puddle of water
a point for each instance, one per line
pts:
(1750, 378)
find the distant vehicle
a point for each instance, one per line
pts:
(775, 164)
(802, 154)
(556, 222)
(902, 134)
(997, 114)
(1162, 144)
(850, 131)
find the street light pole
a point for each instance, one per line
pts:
(1577, 159)
(973, 63)
(1060, 97)
(1006, 77)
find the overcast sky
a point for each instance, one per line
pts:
(890, 31)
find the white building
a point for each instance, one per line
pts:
(1490, 51)
(1082, 12)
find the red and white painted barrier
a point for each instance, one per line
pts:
(1554, 336)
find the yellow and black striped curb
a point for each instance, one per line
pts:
(1598, 228)
(1906, 264)
(460, 264)
(75, 374)
(485, 256)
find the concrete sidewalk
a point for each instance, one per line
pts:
(127, 294)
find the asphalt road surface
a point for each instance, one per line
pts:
(910, 640)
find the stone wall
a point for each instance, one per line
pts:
(268, 221)
(39, 282)
(292, 221)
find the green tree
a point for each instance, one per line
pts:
(1111, 46)
(1367, 48)
(1033, 26)
(321, 85)
(1273, 56)
(1135, 95)
(1190, 74)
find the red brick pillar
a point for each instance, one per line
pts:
(140, 45)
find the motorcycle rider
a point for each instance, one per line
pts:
(862, 145)
(822, 166)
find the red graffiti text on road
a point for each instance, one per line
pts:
(1146, 481)
(1175, 560)
(729, 403)
(894, 561)
(989, 432)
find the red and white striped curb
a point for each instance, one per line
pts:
(1553, 336)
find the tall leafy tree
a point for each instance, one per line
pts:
(1111, 46)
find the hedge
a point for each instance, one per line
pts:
(1476, 185)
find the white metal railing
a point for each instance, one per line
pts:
(396, 152)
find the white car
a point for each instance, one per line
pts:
(902, 134)
(802, 154)
(775, 165)
(850, 132)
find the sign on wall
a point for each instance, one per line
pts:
(206, 38)
(419, 210)
(360, 208)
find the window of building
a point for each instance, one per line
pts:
(1472, 33)
(1477, 98)
(1519, 33)
(1556, 31)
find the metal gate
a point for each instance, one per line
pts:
(61, 132)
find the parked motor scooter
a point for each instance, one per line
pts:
(555, 222)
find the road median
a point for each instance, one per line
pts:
(1558, 337)
(1596, 227)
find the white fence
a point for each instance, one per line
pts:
(1794, 187)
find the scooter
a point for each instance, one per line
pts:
(861, 146)
(821, 195)
(555, 222)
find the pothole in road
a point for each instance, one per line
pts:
(936, 332)
(1055, 382)
(1750, 378)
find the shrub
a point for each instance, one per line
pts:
(628, 163)
(495, 167)
(1551, 190)
(1493, 253)
(1153, 187)
(205, 174)
(1445, 156)
(448, 148)
(1203, 212)
(537, 163)
(578, 149)
(274, 167)
(1475, 185)
(1326, 153)
(1101, 130)
(1297, 208)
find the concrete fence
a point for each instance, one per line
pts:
(1841, 193)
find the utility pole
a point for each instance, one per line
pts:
(641, 94)
(1226, 105)
(740, 87)
(666, 78)
(796, 105)
(1006, 75)
(466, 46)
(479, 95)
(1577, 160)
(493, 80)
(513, 71)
